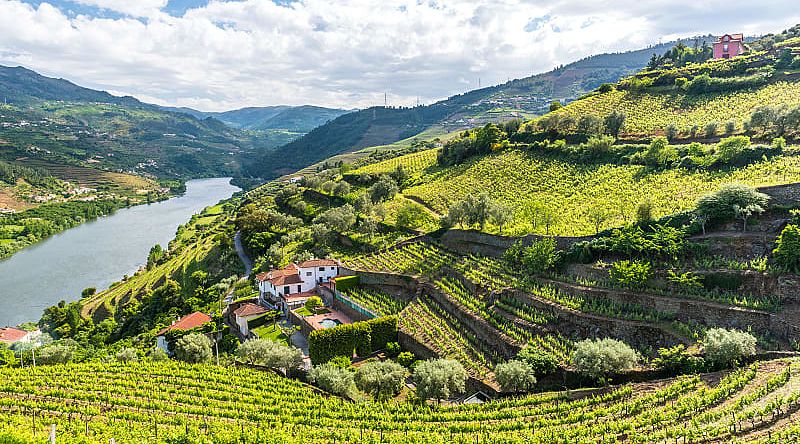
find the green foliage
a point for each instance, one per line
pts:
(342, 362)
(53, 354)
(381, 379)
(332, 379)
(479, 210)
(127, 354)
(722, 205)
(481, 140)
(614, 122)
(542, 362)
(344, 283)
(676, 360)
(730, 148)
(406, 359)
(193, 348)
(158, 355)
(439, 379)
(270, 354)
(7, 358)
(393, 349)
(382, 190)
(515, 376)
(728, 347)
(787, 248)
(601, 357)
(632, 274)
(411, 216)
(340, 219)
(313, 303)
(383, 331)
(360, 337)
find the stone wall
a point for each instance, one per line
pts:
(492, 245)
(575, 323)
(788, 194)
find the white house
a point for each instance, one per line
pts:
(10, 336)
(290, 287)
(244, 314)
(188, 322)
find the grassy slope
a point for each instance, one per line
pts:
(517, 178)
(165, 402)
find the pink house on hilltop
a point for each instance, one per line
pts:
(728, 46)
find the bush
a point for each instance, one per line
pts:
(539, 257)
(127, 354)
(313, 303)
(726, 347)
(342, 362)
(54, 354)
(542, 362)
(787, 248)
(676, 360)
(193, 348)
(633, 274)
(730, 148)
(362, 338)
(721, 205)
(270, 354)
(333, 379)
(381, 379)
(393, 349)
(7, 358)
(439, 379)
(158, 355)
(406, 359)
(515, 376)
(600, 357)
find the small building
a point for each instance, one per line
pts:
(188, 322)
(729, 46)
(244, 314)
(291, 286)
(10, 335)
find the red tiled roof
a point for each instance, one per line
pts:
(286, 276)
(317, 263)
(249, 309)
(188, 322)
(11, 335)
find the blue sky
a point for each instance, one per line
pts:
(224, 54)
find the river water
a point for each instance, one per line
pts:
(96, 253)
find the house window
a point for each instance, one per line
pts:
(308, 273)
(725, 47)
(298, 288)
(321, 268)
(333, 268)
(286, 290)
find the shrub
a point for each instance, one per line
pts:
(730, 127)
(671, 131)
(600, 357)
(778, 143)
(7, 358)
(381, 379)
(383, 330)
(676, 360)
(193, 348)
(313, 303)
(542, 362)
(711, 129)
(127, 354)
(439, 379)
(730, 148)
(54, 354)
(342, 362)
(721, 205)
(332, 379)
(540, 256)
(726, 347)
(158, 355)
(787, 248)
(644, 212)
(405, 359)
(393, 349)
(659, 153)
(359, 337)
(270, 354)
(631, 273)
(515, 376)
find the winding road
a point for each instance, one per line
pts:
(248, 263)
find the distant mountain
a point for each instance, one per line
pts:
(299, 119)
(520, 98)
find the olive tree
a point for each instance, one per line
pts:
(515, 376)
(381, 379)
(127, 354)
(333, 379)
(439, 379)
(270, 354)
(382, 190)
(54, 354)
(725, 347)
(193, 348)
(731, 201)
(597, 358)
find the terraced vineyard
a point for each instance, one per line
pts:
(170, 402)
(376, 301)
(570, 191)
(650, 112)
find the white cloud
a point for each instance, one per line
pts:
(345, 53)
(135, 8)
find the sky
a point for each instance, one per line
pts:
(216, 55)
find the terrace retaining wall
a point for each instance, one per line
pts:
(493, 245)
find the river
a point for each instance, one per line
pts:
(97, 253)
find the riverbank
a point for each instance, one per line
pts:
(97, 253)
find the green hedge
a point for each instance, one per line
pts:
(263, 319)
(361, 338)
(345, 283)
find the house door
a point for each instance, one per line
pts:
(286, 290)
